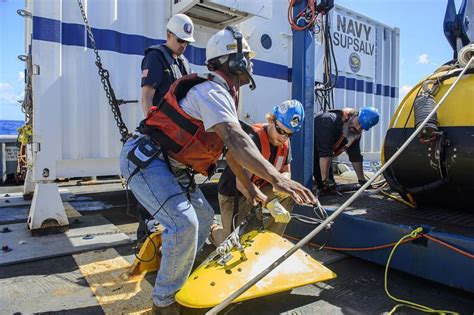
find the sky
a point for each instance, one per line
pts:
(423, 46)
(11, 69)
(422, 43)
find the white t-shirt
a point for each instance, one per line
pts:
(211, 103)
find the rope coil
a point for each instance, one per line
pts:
(305, 19)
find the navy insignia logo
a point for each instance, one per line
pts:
(188, 28)
(295, 121)
(354, 62)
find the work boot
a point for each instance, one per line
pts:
(329, 188)
(172, 309)
(216, 237)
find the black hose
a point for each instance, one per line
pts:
(423, 105)
(426, 188)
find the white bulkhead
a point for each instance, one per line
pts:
(367, 54)
(73, 126)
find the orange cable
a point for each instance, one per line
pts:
(309, 24)
(358, 248)
(460, 251)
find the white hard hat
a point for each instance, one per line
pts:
(181, 26)
(223, 43)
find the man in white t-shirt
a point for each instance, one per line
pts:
(185, 134)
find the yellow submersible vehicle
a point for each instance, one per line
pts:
(437, 167)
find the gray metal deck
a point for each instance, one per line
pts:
(57, 286)
(374, 206)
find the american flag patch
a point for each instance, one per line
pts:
(145, 73)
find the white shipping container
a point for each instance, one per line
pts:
(73, 125)
(367, 54)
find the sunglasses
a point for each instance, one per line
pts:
(179, 40)
(281, 131)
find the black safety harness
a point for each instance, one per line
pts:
(171, 61)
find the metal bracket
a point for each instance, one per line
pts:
(35, 147)
(36, 70)
(47, 212)
(24, 13)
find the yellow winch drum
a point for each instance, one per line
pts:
(437, 167)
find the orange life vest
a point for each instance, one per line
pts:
(182, 136)
(280, 156)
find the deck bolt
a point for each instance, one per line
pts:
(213, 283)
(6, 230)
(5, 249)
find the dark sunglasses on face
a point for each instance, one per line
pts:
(179, 40)
(281, 131)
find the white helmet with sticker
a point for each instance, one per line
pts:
(181, 26)
(223, 43)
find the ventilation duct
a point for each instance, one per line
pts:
(220, 13)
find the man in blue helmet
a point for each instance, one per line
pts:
(338, 131)
(272, 139)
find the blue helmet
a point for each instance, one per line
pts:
(290, 113)
(368, 117)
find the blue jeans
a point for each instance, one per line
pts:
(186, 223)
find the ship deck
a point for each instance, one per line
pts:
(62, 284)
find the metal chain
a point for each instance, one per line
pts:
(92, 235)
(25, 133)
(27, 103)
(104, 78)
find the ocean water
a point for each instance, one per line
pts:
(9, 127)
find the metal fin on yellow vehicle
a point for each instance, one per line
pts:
(214, 280)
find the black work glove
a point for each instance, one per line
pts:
(329, 186)
(363, 181)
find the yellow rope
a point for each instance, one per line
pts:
(386, 194)
(404, 303)
(25, 134)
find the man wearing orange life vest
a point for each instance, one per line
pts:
(186, 134)
(272, 139)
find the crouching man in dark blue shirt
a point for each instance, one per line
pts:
(338, 131)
